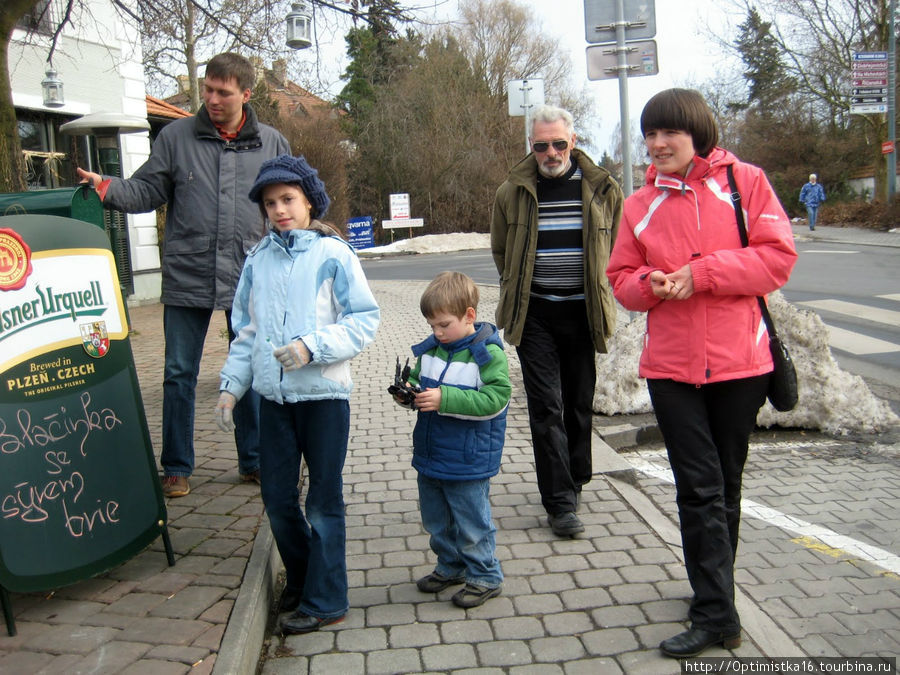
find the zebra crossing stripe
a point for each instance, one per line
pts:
(876, 314)
(797, 526)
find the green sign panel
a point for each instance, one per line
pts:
(79, 492)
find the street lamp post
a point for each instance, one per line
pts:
(52, 88)
(299, 26)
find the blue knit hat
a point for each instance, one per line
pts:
(296, 170)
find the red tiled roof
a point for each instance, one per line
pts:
(159, 108)
(291, 98)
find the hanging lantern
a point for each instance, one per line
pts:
(52, 87)
(299, 26)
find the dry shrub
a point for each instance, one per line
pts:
(320, 140)
(870, 215)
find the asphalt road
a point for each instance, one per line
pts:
(853, 288)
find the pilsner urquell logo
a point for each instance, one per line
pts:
(15, 260)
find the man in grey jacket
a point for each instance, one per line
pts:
(202, 168)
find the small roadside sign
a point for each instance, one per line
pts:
(399, 206)
(887, 147)
(868, 108)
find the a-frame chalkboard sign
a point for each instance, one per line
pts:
(79, 492)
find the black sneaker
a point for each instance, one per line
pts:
(565, 524)
(474, 595)
(435, 583)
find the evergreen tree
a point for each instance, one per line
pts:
(769, 86)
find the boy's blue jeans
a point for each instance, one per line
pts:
(185, 331)
(457, 515)
(313, 548)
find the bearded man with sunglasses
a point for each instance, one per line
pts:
(554, 222)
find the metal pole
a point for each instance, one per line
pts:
(527, 108)
(627, 181)
(892, 107)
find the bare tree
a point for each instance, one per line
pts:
(439, 127)
(816, 41)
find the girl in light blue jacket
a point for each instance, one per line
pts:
(302, 310)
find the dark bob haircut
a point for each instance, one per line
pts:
(682, 110)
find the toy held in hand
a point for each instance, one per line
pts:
(402, 391)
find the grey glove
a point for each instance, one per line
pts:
(225, 411)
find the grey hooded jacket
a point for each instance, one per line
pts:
(211, 223)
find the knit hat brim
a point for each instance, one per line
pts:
(292, 171)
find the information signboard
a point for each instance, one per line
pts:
(869, 76)
(359, 231)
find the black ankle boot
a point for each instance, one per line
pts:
(694, 641)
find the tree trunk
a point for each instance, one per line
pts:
(12, 164)
(191, 57)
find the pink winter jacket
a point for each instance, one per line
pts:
(718, 333)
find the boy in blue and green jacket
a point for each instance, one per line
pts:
(458, 438)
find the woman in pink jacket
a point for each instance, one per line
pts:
(706, 357)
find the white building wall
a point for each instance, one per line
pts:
(99, 61)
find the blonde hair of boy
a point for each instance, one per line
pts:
(450, 292)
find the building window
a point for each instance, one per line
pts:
(48, 154)
(44, 17)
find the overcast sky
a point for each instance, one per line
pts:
(685, 54)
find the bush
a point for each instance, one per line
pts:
(871, 215)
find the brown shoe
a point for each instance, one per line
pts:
(175, 486)
(252, 477)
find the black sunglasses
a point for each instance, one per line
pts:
(543, 146)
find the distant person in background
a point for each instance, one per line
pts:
(554, 223)
(811, 195)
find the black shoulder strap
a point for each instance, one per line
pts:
(742, 230)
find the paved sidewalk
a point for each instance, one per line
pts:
(848, 235)
(596, 604)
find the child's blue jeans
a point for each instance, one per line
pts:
(457, 515)
(311, 541)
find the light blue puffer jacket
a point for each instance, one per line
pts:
(307, 286)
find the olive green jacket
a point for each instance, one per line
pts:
(514, 233)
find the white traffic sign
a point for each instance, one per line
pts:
(640, 59)
(523, 95)
(868, 109)
(402, 222)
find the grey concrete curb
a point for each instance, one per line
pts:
(246, 629)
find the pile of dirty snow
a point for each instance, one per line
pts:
(434, 243)
(831, 400)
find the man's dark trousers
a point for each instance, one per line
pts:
(559, 372)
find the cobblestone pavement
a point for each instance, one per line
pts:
(817, 567)
(600, 603)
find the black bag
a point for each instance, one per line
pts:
(782, 392)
